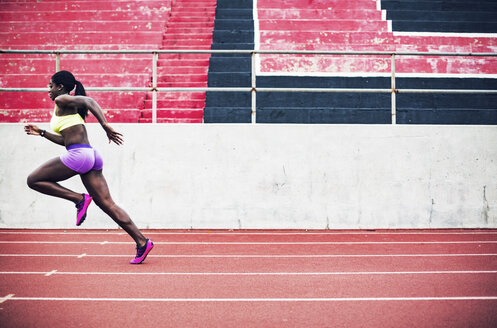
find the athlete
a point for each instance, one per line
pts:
(68, 123)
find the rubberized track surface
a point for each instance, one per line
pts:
(263, 278)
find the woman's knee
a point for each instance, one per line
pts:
(105, 203)
(32, 180)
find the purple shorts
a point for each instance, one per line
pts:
(82, 159)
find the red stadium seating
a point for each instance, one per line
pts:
(189, 27)
(106, 25)
(78, 25)
(342, 25)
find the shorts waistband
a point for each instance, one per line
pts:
(76, 146)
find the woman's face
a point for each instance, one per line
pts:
(55, 90)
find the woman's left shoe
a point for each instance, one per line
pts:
(142, 252)
(81, 209)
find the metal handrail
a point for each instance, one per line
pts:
(264, 89)
(250, 51)
(254, 89)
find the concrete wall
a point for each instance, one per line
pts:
(270, 176)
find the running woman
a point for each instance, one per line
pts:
(68, 123)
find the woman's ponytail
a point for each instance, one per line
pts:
(80, 90)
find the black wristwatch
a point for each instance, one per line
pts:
(42, 133)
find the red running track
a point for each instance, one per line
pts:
(410, 278)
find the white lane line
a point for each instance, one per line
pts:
(263, 243)
(62, 242)
(50, 273)
(251, 273)
(254, 256)
(310, 233)
(5, 298)
(38, 255)
(324, 299)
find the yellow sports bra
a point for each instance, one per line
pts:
(59, 123)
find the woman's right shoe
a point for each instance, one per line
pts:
(142, 252)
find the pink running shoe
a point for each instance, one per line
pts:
(81, 209)
(142, 252)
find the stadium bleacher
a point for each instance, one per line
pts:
(234, 29)
(78, 25)
(442, 16)
(189, 27)
(359, 25)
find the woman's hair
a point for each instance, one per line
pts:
(68, 81)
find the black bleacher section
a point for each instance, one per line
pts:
(446, 108)
(467, 16)
(300, 107)
(375, 108)
(233, 29)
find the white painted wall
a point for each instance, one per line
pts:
(270, 176)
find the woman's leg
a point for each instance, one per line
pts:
(96, 185)
(44, 179)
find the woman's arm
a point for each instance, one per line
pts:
(66, 101)
(33, 130)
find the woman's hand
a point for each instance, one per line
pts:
(113, 135)
(32, 130)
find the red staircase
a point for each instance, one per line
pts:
(343, 25)
(78, 25)
(189, 27)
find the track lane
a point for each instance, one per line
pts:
(250, 286)
(234, 249)
(252, 237)
(119, 264)
(384, 314)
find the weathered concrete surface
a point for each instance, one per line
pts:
(270, 176)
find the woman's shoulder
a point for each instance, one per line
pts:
(63, 101)
(70, 102)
